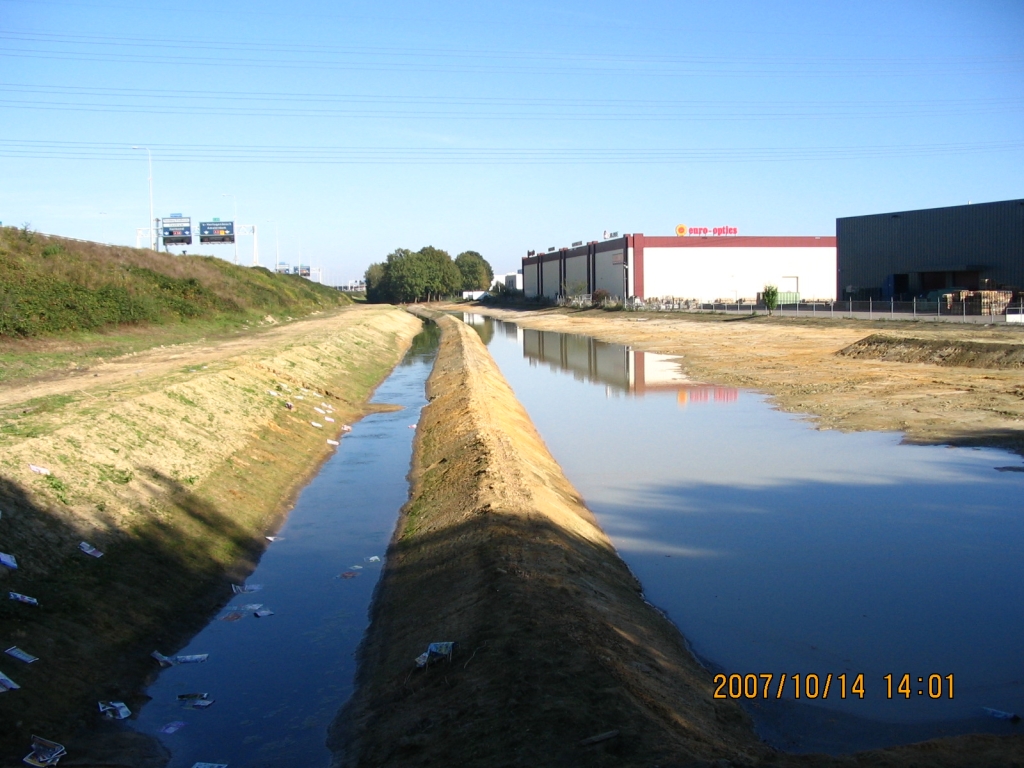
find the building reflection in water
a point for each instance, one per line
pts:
(622, 370)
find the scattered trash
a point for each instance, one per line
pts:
(89, 549)
(372, 559)
(192, 696)
(23, 598)
(317, 424)
(17, 653)
(328, 418)
(299, 397)
(274, 538)
(436, 651)
(333, 442)
(9, 561)
(356, 567)
(245, 589)
(177, 725)
(6, 684)
(348, 575)
(598, 738)
(195, 700)
(39, 470)
(325, 405)
(412, 426)
(44, 752)
(210, 765)
(289, 406)
(196, 658)
(115, 710)
(272, 392)
(165, 661)
(1000, 715)
(346, 428)
(319, 410)
(251, 607)
(263, 614)
(233, 616)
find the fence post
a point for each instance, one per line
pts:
(869, 307)
(851, 308)
(892, 307)
(915, 307)
(831, 310)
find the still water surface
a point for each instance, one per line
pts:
(279, 681)
(776, 547)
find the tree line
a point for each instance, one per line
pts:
(429, 273)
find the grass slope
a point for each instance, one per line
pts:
(52, 285)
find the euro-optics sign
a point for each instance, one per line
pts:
(683, 231)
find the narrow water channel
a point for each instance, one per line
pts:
(278, 681)
(778, 548)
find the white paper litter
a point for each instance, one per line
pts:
(9, 561)
(372, 559)
(39, 470)
(346, 428)
(264, 613)
(328, 418)
(115, 710)
(6, 684)
(274, 538)
(319, 410)
(251, 607)
(272, 392)
(89, 549)
(177, 725)
(23, 598)
(333, 442)
(17, 653)
(355, 567)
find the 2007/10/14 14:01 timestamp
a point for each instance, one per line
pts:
(813, 686)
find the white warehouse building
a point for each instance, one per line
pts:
(706, 268)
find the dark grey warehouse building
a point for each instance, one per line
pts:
(914, 253)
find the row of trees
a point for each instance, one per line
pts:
(426, 274)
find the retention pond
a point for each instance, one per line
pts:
(277, 681)
(781, 549)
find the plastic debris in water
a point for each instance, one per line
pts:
(317, 424)
(177, 725)
(9, 561)
(1000, 715)
(263, 614)
(17, 653)
(196, 658)
(356, 567)
(251, 607)
(333, 442)
(44, 752)
(6, 684)
(435, 652)
(348, 575)
(195, 700)
(39, 470)
(191, 696)
(115, 710)
(165, 661)
(346, 428)
(210, 765)
(274, 538)
(372, 559)
(23, 598)
(412, 426)
(233, 616)
(89, 549)
(245, 589)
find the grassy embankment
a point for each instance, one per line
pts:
(175, 463)
(560, 660)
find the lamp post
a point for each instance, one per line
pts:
(152, 218)
(234, 223)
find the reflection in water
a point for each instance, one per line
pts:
(780, 548)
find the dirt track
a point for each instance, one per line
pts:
(796, 362)
(560, 661)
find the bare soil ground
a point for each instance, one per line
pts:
(175, 462)
(951, 384)
(559, 660)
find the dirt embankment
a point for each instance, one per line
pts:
(949, 352)
(797, 363)
(175, 463)
(560, 661)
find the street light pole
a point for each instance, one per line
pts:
(152, 218)
(234, 224)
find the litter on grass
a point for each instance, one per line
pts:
(9, 561)
(263, 614)
(1000, 715)
(195, 658)
(317, 424)
(173, 727)
(245, 589)
(346, 428)
(19, 654)
(44, 752)
(328, 418)
(6, 684)
(272, 393)
(289, 406)
(333, 442)
(39, 470)
(436, 652)
(89, 549)
(165, 661)
(319, 410)
(115, 710)
(23, 598)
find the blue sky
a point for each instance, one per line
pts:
(354, 129)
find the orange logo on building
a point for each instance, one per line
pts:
(681, 230)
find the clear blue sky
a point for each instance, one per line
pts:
(501, 127)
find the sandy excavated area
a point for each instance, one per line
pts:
(797, 363)
(560, 661)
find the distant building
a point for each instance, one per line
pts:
(703, 267)
(512, 281)
(914, 253)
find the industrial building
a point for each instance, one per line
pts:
(703, 267)
(908, 254)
